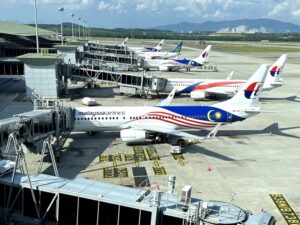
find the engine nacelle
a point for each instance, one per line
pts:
(198, 94)
(164, 68)
(132, 135)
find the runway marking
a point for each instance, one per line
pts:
(139, 153)
(110, 158)
(103, 158)
(115, 172)
(152, 153)
(158, 169)
(289, 215)
(129, 157)
(179, 158)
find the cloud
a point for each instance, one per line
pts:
(296, 13)
(67, 4)
(278, 9)
(103, 6)
(113, 6)
(140, 7)
(154, 12)
(285, 9)
(180, 9)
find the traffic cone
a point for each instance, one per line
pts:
(209, 167)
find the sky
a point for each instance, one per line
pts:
(148, 13)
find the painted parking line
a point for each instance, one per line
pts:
(152, 153)
(115, 172)
(158, 169)
(179, 158)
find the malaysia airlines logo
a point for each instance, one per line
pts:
(252, 90)
(275, 71)
(204, 54)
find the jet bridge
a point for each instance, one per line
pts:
(45, 199)
(141, 84)
(114, 55)
(33, 126)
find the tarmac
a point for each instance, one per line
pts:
(244, 164)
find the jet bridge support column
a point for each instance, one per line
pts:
(42, 74)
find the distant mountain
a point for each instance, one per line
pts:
(235, 26)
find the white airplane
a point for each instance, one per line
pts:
(139, 124)
(124, 43)
(203, 88)
(162, 55)
(148, 49)
(177, 64)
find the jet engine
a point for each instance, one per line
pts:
(198, 94)
(132, 135)
(164, 68)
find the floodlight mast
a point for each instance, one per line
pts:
(36, 28)
(61, 9)
(72, 15)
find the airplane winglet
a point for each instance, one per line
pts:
(211, 134)
(230, 75)
(169, 99)
(214, 132)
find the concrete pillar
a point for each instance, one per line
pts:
(69, 51)
(41, 74)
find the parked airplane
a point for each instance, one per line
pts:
(164, 122)
(162, 55)
(177, 64)
(124, 42)
(148, 49)
(203, 88)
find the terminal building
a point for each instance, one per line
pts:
(44, 199)
(19, 39)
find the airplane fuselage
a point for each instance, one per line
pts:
(170, 117)
(157, 55)
(212, 85)
(170, 64)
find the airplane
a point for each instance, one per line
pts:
(162, 55)
(163, 122)
(177, 64)
(124, 42)
(204, 88)
(148, 49)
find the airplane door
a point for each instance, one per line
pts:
(229, 117)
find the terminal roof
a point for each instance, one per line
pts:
(41, 59)
(21, 29)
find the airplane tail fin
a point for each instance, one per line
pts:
(273, 78)
(177, 49)
(169, 99)
(248, 95)
(230, 75)
(203, 57)
(160, 44)
(124, 42)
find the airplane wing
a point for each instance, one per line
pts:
(179, 133)
(168, 100)
(183, 134)
(217, 92)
